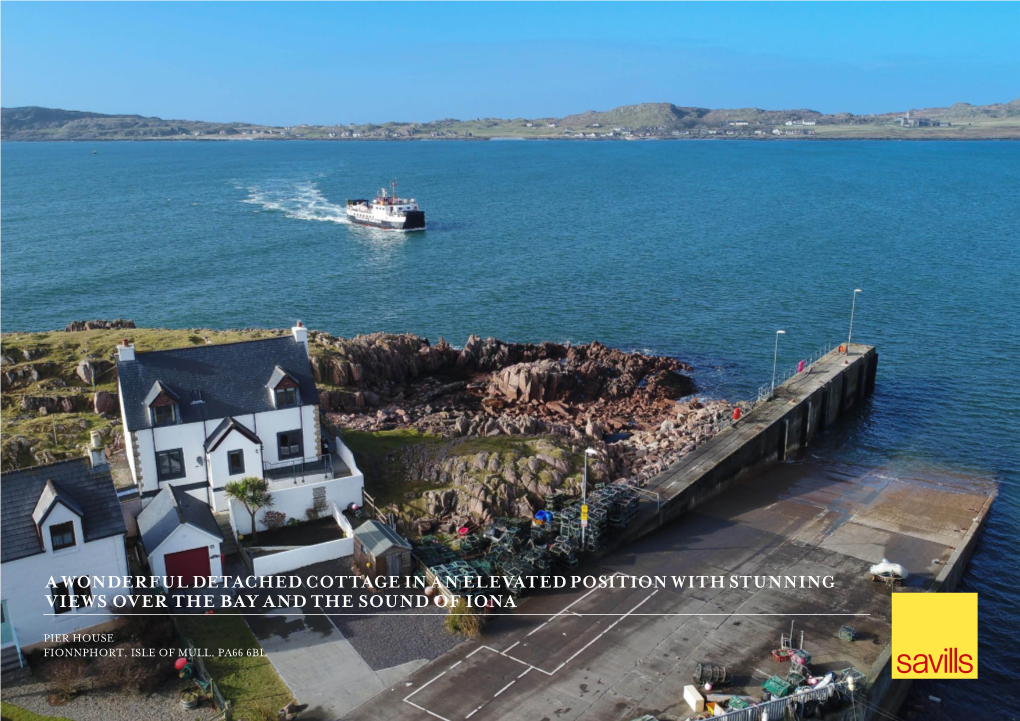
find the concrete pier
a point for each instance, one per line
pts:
(800, 409)
(616, 654)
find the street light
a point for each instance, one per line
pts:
(853, 307)
(775, 359)
(584, 491)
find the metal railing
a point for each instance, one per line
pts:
(776, 708)
(765, 391)
(296, 471)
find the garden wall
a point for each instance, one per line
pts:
(296, 558)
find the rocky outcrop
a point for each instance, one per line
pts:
(80, 325)
(535, 382)
(52, 404)
(19, 377)
(106, 403)
(512, 479)
(85, 371)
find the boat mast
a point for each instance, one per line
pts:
(393, 189)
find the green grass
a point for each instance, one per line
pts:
(9, 712)
(387, 480)
(58, 356)
(377, 456)
(250, 682)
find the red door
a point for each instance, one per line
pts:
(188, 565)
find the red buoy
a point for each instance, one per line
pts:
(736, 414)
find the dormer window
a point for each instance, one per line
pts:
(284, 388)
(62, 535)
(164, 415)
(163, 405)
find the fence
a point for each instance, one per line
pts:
(776, 709)
(342, 521)
(203, 678)
(369, 504)
(765, 391)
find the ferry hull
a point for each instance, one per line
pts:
(413, 220)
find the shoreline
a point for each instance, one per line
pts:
(507, 138)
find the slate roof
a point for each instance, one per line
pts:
(223, 430)
(51, 494)
(378, 538)
(74, 481)
(170, 509)
(157, 389)
(278, 375)
(231, 377)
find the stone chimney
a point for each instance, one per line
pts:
(125, 351)
(97, 452)
(301, 336)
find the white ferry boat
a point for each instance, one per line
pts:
(387, 211)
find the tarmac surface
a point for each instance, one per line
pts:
(620, 653)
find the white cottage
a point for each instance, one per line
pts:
(197, 418)
(60, 521)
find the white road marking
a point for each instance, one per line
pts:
(530, 667)
(424, 685)
(422, 708)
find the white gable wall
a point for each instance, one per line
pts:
(219, 466)
(62, 514)
(191, 438)
(25, 586)
(185, 538)
(287, 419)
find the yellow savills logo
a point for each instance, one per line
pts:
(934, 635)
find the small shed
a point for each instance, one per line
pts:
(381, 551)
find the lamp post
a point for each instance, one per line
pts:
(584, 492)
(853, 307)
(775, 360)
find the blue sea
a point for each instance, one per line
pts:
(701, 250)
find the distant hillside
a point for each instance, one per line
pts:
(34, 123)
(962, 111)
(628, 122)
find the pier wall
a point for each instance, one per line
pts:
(802, 408)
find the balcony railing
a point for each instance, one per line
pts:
(305, 470)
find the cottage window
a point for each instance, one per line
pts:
(62, 535)
(286, 397)
(82, 591)
(170, 465)
(165, 415)
(61, 598)
(235, 461)
(289, 444)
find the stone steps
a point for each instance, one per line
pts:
(229, 541)
(10, 664)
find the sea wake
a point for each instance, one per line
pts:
(300, 200)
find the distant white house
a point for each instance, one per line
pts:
(197, 418)
(60, 521)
